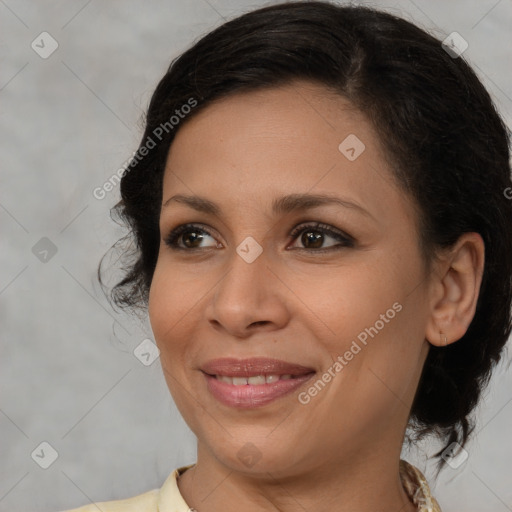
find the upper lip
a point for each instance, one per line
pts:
(251, 367)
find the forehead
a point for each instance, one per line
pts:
(253, 146)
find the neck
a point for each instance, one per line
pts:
(368, 484)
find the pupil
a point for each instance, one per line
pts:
(309, 236)
(194, 234)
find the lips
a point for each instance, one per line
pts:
(254, 367)
(249, 383)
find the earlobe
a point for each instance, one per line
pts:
(455, 291)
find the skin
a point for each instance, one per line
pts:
(341, 450)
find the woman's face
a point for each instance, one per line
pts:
(350, 309)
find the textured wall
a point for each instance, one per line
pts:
(69, 376)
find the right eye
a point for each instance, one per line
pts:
(189, 234)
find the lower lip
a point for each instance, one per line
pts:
(252, 395)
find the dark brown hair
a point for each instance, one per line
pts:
(448, 146)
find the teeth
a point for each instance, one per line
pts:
(239, 381)
(256, 380)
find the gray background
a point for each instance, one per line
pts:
(69, 376)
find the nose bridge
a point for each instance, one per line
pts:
(247, 266)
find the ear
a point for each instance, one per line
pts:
(455, 289)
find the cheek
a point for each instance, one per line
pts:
(169, 301)
(376, 326)
(353, 299)
(174, 307)
(165, 309)
(382, 361)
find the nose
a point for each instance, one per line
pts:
(248, 297)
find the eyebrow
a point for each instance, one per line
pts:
(281, 205)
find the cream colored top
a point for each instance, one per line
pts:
(169, 499)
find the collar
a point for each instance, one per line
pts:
(416, 486)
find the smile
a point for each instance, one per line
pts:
(255, 391)
(258, 379)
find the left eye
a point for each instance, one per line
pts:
(313, 236)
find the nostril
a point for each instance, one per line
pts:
(260, 322)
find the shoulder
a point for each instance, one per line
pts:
(147, 502)
(168, 497)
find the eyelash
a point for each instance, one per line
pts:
(172, 239)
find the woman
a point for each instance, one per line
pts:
(322, 245)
